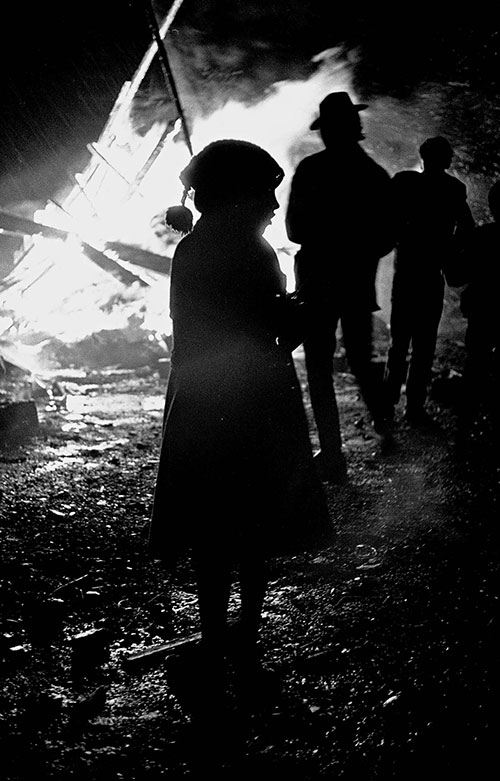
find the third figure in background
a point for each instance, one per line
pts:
(433, 220)
(339, 212)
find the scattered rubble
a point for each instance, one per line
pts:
(384, 647)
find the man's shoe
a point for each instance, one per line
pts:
(331, 470)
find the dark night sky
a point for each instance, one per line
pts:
(62, 75)
(67, 63)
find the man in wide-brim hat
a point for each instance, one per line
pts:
(339, 212)
(337, 108)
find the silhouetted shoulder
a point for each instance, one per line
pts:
(490, 231)
(408, 190)
(185, 251)
(406, 176)
(458, 187)
(407, 183)
(376, 167)
(407, 179)
(486, 238)
(311, 164)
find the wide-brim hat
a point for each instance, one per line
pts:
(336, 107)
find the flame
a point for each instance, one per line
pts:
(56, 289)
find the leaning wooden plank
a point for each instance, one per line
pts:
(141, 257)
(112, 266)
(26, 227)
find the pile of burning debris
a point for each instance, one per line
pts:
(24, 388)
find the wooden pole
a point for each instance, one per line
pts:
(166, 69)
(130, 88)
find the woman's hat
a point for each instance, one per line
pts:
(233, 166)
(222, 172)
(335, 108)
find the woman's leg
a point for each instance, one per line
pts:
(257, 685)
(213, 579)
(254, 575)
(215, 731)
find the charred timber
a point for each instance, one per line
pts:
(22, 227)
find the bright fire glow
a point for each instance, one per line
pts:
(56, 290)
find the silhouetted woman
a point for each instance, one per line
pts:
(236, 482)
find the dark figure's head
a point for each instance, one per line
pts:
(237, 177)
(338, 121)
(494, 201)
(436, 154)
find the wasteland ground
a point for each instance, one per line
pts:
(384, 644)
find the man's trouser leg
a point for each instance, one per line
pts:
(357, 332)
(319, 349)
(423, 349)
(396, 366)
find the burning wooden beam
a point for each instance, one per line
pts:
(21, 226)
(25, 227)
(141, 257)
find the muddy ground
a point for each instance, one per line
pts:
(385, 644)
